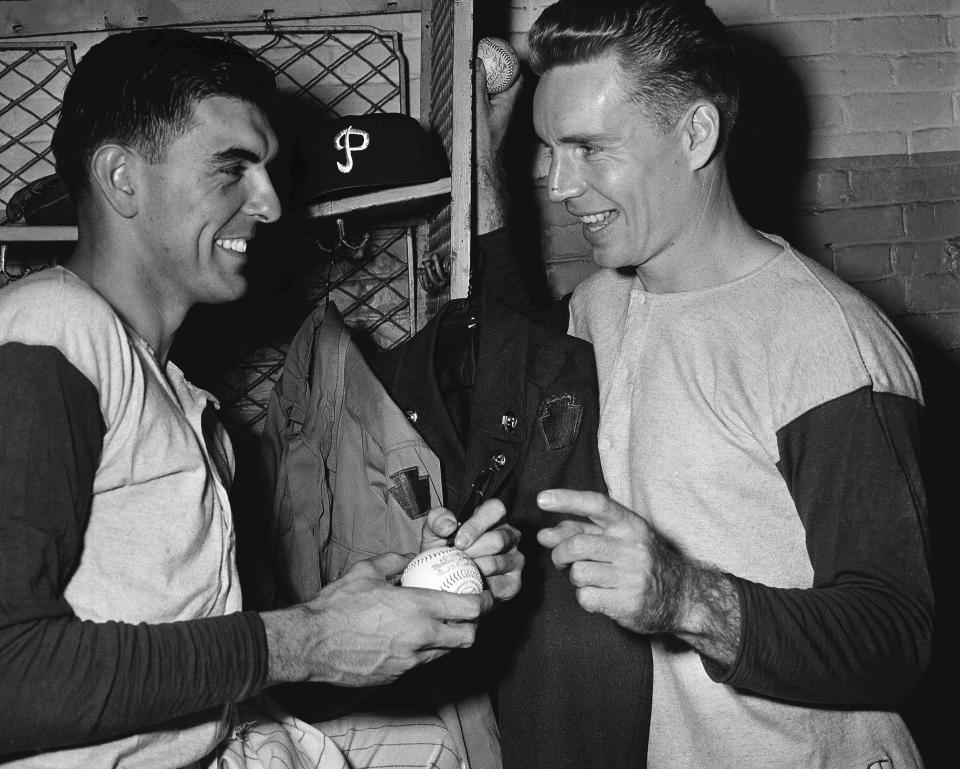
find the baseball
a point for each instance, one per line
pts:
(443, 568)
(500, 62)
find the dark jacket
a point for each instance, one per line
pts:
(573, 688)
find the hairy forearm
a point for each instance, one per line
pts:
(692, 601)
(710, 612)
(492, 197)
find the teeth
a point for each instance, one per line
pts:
(233, 244)
(596, 221)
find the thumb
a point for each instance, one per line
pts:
(388, 564)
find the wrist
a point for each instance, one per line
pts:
(709, 615)
(285, 663)
(492, 199)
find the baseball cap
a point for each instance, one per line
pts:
(44, 201)
(362, 153)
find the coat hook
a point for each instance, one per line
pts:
(344, 246)
(434, 273)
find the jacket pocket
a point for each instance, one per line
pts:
(303, 520)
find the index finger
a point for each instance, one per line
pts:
(599, 508)
(482, 98)
(485, 517)
(455, 607)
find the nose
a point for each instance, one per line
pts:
(262, 201)
(563, 181)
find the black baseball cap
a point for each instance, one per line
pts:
(362, 153)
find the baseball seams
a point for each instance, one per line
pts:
(443, 568)
(500, 61)
(460, 581)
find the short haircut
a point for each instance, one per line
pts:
(140, 89)
(671, 52)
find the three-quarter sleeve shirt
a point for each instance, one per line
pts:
(769, 427)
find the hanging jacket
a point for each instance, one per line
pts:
(573, 687)
(350, 478)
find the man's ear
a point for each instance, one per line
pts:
(701, 133)
(112, 175)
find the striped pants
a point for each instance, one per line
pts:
(265, 737)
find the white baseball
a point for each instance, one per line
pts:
(500, 62)
(443, 568)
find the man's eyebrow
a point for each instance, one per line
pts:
(584, 138)
(233, 154)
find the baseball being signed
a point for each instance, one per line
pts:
(443, 568)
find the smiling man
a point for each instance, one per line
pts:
(766, 523)
(122, 637)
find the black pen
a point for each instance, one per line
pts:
(478, 491)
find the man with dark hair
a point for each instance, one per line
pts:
(766, 522)
(122, 640)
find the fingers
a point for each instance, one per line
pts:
(554, 535)
(492, 547)
(583, 547)
(439, 524)
(502, 573)
(481, 97)
(488, 515)
(505, 101)
(383, 566)
(592, 574)
(453, 608)
(505, 586)
(599, 508)
(500, 563)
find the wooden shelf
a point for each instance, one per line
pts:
(18, 233)
(390, 203)
(395, 197)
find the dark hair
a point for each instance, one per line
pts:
(671, 52)
(140, 89)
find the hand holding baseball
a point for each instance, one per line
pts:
(492, 115)
(490, 543)
(500, 61)
(443, 568)
(361, 630)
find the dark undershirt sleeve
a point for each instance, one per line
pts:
(64, 681)
(862, 635)
(497, 275)
(496, 272)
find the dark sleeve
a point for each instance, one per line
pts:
(499, 273)
(862, 635)
(64, 681)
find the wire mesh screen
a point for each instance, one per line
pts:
(344, 70)
(32, 79)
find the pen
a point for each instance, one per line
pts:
(478, 491)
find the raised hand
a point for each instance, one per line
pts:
(624, 568)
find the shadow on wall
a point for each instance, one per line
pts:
(930, 722)
(767, 154)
